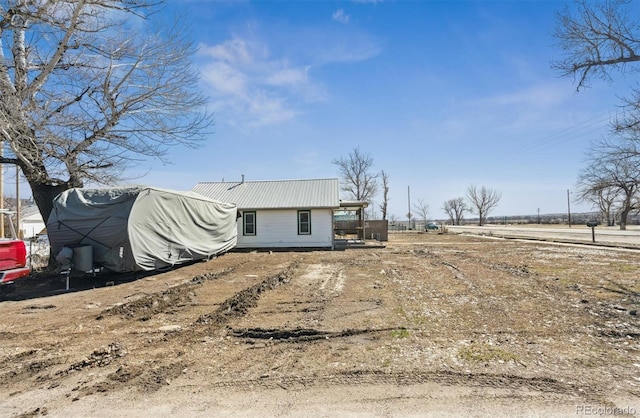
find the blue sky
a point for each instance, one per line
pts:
(442, 95)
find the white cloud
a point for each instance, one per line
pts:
(225, 79)
(265, 74)
(234, 51)
(288, 76)
(340, 16)
(268, 110)
(252, 86)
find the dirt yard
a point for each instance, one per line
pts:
(431, 325)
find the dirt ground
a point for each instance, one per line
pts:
(431, 325)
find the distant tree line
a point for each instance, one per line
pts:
(360, 182)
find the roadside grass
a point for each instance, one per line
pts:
(625, 267)
(483, 353)
(400, 333)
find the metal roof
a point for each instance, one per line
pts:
(274, 194)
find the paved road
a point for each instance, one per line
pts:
(578, 233)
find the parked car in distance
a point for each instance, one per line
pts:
(432, 225)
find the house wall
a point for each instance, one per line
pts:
(378, 230)
(278, 228)
(31, 226)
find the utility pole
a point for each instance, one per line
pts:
(409, 201)
(569, 207)
(538, 216)
(18, 230)
(1, 191)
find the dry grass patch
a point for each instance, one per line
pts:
(484, 353)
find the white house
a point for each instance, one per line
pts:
(31, 222)
(280, 213)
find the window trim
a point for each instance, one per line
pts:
(308, 212)
(244, 223)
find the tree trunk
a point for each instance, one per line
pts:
(43, 195)
(623, 218)
(608, 217)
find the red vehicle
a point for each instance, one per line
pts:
(13, 257)
(13, 260)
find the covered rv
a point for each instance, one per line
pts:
(141, 228)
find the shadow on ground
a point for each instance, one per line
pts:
(45, 284)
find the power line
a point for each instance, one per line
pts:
(565, 135)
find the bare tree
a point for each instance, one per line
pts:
(455, 209)
(603, 197)
(385, 194)
(358, 180)
(597, 39)
(600, 36)
(482, 201)
(373, 212)
(422, 209)
(88, 87)
(612, 170)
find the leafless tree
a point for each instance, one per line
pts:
(422, 209)
(604, 197)
(358, 180)
(88, 87)
(455, 209)
(612, 170)
(373, 212)
(482, 201)
(393, 218)
(598, 38)
(384, 177)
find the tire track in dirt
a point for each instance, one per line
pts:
(326, 282)
(149, 377)
(144, 308)
(615, 320)
(159, 372)
(152, 374)
(375, 377)
(565, 312)
(240, 303)
(298, 335)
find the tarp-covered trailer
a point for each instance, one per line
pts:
(140, 228)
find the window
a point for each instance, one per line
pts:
(304, 222)
(248, 223)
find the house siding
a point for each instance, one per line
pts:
(278, 228)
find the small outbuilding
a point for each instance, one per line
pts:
(280, 214)
(141, 228)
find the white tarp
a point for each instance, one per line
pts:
(141, 228)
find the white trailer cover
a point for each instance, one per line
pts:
(141, 228)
